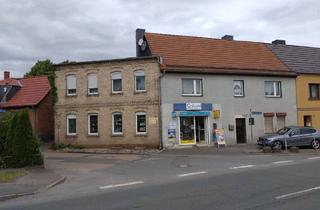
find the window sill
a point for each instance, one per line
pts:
(71, 95)
(314, 99)
(192, 95)
(72, 135)
(117, 135)
(266, 96)
(93, 135)
(116, 93)
(92, 94)
(140, 91)
(239, 96)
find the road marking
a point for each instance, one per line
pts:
(120, 185)
(313, 158)
(239, 167)
(297, 193)
(193, 173)
(283, 161)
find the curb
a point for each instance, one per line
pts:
(11, 196)
(55, 183)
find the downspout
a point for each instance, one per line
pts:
(160, 112)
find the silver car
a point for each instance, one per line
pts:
(292, 136)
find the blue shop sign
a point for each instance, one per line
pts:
(190, 114)
(183, 106)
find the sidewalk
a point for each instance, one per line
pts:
(36, 180)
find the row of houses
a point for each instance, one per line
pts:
(181, 90)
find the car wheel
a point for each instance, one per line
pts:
(315, 144)
(277, 145)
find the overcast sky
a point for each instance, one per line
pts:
(78, 30)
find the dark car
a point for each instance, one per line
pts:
(292, 136)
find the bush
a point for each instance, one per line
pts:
(22, 147)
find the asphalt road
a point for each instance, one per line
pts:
(286, 183)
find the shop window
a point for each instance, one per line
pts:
(268, 124)
(116, 123)
(140, 81)
(192, 87)
(281, 122)
(238, 88)
(92, 84)
(71, 124)
(71, 85)
(272, 89)
(307, 121)
(116, 82)
(141, 123)
(314, 91)
(93, 124)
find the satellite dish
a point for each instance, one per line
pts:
(140, 42)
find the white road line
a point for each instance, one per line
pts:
(120, 185)
(283, 161)
(297, 193)
(313, 158)
(239, 167)
(193, 173)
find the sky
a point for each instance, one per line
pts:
(82, 30)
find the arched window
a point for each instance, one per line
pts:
(71, 85)
(93, 123)
(116, 123)
(71, 124)
(116, 82)
(139, 83)
(141, 123)
(92, 84)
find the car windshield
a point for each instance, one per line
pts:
(283, 131)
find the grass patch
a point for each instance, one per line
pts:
(9, 176)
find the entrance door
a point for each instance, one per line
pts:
(187, 130)
(241, 130)
(200, 130)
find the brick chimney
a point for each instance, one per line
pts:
(6, 75)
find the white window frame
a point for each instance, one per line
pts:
(194, 87)
(93, 93)
(113, 132)
(116, 76)
(140, 114)
(139, 73)
(275, 83)
(242, 88)
(71, 116)
(89, 133)
(69, 76)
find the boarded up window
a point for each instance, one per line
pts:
(268, 124)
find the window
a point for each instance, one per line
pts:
(140, 81)
(71, 85)
(92, 84)
(307, 120)
(116, 82)
(272, 89)
(281, 122)
(192, 87)
(268, 124)
(238, 89)
(307, 130)
(116, 123)
(141, 123)
(314, 91)
(93, 124)
(71, 124)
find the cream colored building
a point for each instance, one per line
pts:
(109, 103)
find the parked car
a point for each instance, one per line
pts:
(293, 136)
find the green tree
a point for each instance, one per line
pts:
(22, 147)
(45, 67)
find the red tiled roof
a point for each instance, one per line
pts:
(194, 53)
(33, 90)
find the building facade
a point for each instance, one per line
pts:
(111, 103)
(209, 87)
(305, 61)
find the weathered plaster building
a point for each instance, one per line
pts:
(109, 103)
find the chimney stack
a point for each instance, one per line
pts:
(279, 41)
(227, 37)
(6, 75)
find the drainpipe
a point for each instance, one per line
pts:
(160, 112)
